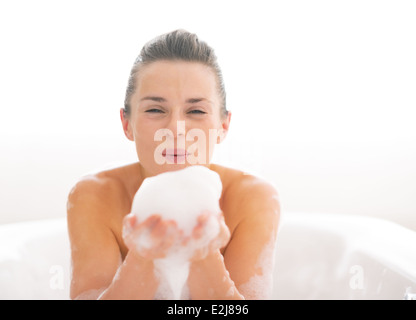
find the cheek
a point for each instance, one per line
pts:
(212, 131)
(205, 140)
(144, 130)
(144, 137)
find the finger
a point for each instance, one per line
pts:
(222, 238)
(202, 220)
(158, 232)
(142, 229)
(221, 218)
(129, 220)
(225, 232)
(185, 241)
(172, 234)
(197, 232)
(127, 226)
(172, 230)
(168, 242)
(152, 221)
(203, 217)
(165, 234)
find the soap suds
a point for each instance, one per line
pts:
(182, 196)
(92, 294)
(230, 292)
(260, 286)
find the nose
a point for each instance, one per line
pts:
(176, 125)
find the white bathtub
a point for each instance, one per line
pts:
(319, 256)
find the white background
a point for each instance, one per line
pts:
(323, 96)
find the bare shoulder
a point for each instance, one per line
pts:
(252, 192)
(235, 178)
(98, 193)
(249, 197)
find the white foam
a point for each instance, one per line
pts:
(260, 285)
(182, 196)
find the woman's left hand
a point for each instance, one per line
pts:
(216, 243)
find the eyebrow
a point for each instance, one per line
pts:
(196, 100)
(160, 99)
(152, 98)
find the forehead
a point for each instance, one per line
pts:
(176, 78)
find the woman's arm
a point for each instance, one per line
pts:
(134, 280)
(246, 271)
(209, 279)
(97, 271)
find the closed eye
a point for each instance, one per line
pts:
(154, 111)
(197, 112)
(161, 111)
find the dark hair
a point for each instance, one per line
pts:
(177, 45)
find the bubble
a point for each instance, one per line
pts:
(182, 196)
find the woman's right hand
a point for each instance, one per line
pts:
(152, 238)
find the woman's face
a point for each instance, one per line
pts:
(175, 116)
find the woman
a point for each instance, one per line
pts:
(175, 88)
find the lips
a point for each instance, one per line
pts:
(174, 152)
